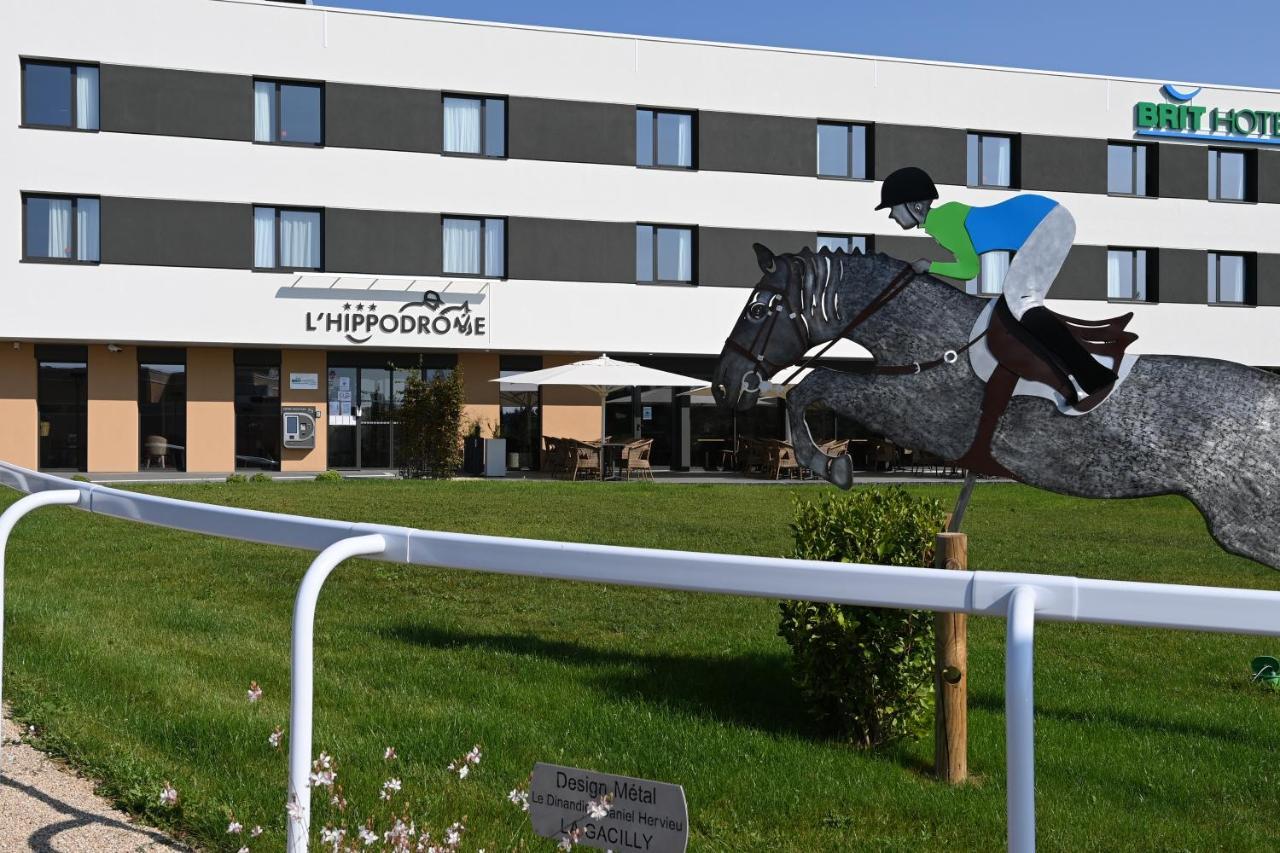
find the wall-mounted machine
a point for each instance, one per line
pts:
(299, 426)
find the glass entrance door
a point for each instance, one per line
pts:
(62, 400)
(374, 417)
(363, 406)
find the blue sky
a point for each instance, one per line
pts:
(1226, 41)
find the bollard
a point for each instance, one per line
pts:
(951, 672)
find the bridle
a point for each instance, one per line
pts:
(782, 305)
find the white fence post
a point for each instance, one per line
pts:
(8, 519)
(1019, 712)
(300, 678)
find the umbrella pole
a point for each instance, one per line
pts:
(603, 395)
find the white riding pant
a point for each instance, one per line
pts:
(1035, 266)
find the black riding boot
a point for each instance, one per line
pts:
(1057, 338)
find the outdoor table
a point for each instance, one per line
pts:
(611, 458)
(707, 446)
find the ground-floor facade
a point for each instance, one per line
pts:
(108, 408)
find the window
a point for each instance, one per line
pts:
(1128, 275)
(475, 126)
(1127, 169)
(60, 228)
(991, 272)
(1230, 175)
(1230, 279)
(990, 161)
(848, 242)
(287, 239)
(664, 139)
(257, 409)
(842, 151)
(288, 113)
(664, 254)
(62, 403)
(475, 246)
(520, 410)
(162, 408)
(56, 94)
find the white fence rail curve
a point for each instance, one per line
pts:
(1020, 598)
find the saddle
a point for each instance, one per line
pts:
(1023, 365)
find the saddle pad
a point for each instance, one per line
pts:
(984, 364)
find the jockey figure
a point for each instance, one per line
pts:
(1037, 229)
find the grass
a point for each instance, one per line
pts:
(132, 647)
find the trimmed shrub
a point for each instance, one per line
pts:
(328, 477)
(81, 478)
(261, 477)
(865, 673)
(430, 424)
(237, 478)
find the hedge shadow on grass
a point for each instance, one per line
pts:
(1104, 716)
(753, 690)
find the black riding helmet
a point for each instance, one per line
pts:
(906, 185)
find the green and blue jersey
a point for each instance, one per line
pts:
(967, 232)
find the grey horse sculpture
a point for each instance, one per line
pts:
(1198, 427)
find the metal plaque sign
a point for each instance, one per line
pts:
(608, 812)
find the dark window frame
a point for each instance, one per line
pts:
(484, 244)
(253, 208)
(484, 121)
(75, 229)
(693, 256)
(64, 63)
(1250, 261)
(1015, 159)
(1152, 158)
(279, 101)
(869, 238)
(1152, 262)
(1214, 153)
(693, 138)
(868, 159)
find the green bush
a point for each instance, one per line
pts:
(81, 478)
(328, 477)
(865, 673)
(429, 424)
(261, 477)
(237, 478)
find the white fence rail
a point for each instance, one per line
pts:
(1021, 598)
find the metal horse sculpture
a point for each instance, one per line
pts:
(1198, 427)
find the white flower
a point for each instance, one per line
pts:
(234, 828)
(368, 836)
(322, 772)
(168, 795)
(243, 850)
(453, 835)
(293, 808)
(520, 798)
(338, 800)
(276, 737)
(255, 832)
(599, 808)
(329, 835)
(390, 754)
(398, 835)
(390, 788)
(462, 766)
(254, 693)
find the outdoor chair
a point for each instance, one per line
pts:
(155, 448)
(555, 455)
(635, 459)
(583, 459)
(782, 457)
(754, 457)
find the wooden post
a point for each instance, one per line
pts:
(951, 674)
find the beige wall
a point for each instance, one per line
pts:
(569, 412)
(211, 414)
(19, 428)
(113, 409)
(481, 395)
(306, 361)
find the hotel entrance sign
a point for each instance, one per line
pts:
(1182, 119)
(606, 811)
(429, 316)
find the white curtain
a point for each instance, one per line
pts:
(59, 228)
(675, 140)
(994, 267)
(462, 125)
(495, 245)
(644, 253)
(462, 246)
(1116, 288)
(264, 111)
(675, 254)
(996, 151)
(264, 237)
(299, 239)
(86, 97)
(87, 229)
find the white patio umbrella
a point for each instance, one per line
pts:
(603, 375)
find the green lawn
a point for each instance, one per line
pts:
(132, 647)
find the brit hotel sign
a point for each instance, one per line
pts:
(1178, 118)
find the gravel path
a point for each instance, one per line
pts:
(46, 808)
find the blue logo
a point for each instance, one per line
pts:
(1175, 94)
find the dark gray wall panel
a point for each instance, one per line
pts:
(1269, 176)
(1083, 274)
(382, 117)
(1184, 171)
(939, 151)
(571, 131)
(176, 103)
(159, 232)
(570, 250)
(381, 242)
(726, 259)
(906, 247)
(1184, 275)
(1064, 164)
(771, 145)
(1268, 279)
